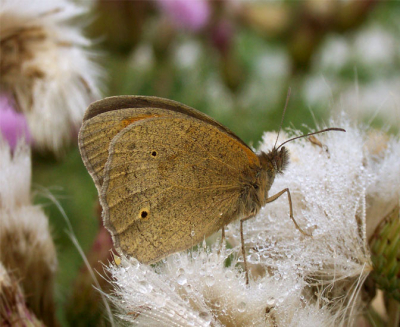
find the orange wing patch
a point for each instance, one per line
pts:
(253, 159)
(127, 121)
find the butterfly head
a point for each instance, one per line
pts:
(272, 163)
(280, 159)
(275, 161)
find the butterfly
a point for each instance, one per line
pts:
(168, 175)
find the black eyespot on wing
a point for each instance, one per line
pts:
(144, 214)
(154, 154)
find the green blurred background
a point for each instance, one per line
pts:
(234, 61)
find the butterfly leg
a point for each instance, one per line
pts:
(222, 239)
(243, 250)
(277, 195)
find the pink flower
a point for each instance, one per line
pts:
(13, 124)
(191, 14)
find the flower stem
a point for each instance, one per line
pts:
(394, 313)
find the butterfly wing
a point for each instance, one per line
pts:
(141, 101)
(96, 134)
(106, 118)
(169, 182)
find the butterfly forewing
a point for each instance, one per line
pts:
(123, 102)
(105, 118)
(97, 133)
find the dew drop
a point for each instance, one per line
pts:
(206, 317)
(210, 281)
(144, 287)
(229, 275)
(254, 258)
(241, 307)
(160, 301)
(134, 263)
(181, 280)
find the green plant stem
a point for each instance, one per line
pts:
(394, 313)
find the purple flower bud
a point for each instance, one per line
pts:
(222, 35)
(13, 125)
(191, 14)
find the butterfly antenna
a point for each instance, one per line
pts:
(321, 131)
(283, 115)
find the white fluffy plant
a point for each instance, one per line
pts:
(47, 66)
(295, 280)
(28, 261)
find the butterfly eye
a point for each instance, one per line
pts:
(255, 186)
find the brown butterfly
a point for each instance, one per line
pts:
(169, 175)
